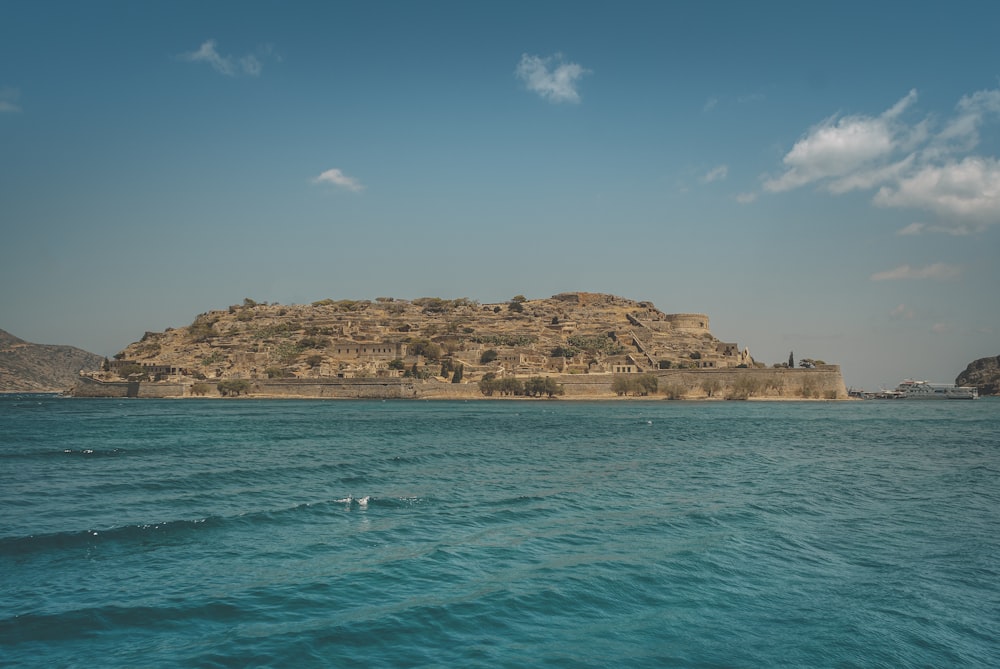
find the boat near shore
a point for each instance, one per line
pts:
(920, 390)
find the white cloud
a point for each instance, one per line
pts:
(339, 179)
(912, 229)
(840, 147)
(972, 111)
(968, 190)
(937, 270)
(746, 198)
(8, 100)
(227, 65)
(716, 174)
(901, 312)
(941, 328)
(555, 84)
(710, 104)
(910, 166)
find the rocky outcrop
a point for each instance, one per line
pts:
(571, 332)
(36, 368)
(984, 374)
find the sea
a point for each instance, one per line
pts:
(534, 533)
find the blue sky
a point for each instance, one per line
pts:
(817, 179)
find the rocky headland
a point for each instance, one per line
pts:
(571, 344)
(41, 368)
(983, 373)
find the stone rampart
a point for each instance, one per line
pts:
(824, 382)
(88, 387)
(688, 322)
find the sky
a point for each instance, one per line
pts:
(818, 179)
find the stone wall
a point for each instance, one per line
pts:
(824, 382)
(88, 387)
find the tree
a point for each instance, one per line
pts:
(488, 356)
(396, 363)
(647, 384)
(510, 386)
(550, 387)
(233, 387)
(128, 370)
(621, 385)
(426, 348)
(791, 359)
(200, 389)
(457, 378)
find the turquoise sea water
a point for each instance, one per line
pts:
(498, 534)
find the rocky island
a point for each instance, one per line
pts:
(573, 345)
(983, 373)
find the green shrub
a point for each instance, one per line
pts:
(234, 387)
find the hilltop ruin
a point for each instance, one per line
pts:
(457, 341)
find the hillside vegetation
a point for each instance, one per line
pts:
(428, 337)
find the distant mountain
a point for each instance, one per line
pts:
(27, 367)
(983, 373)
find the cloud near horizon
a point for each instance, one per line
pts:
(716, 174)
(228, 65)
(938, 270)
(907, 165)
(339, 179)
(555, 84)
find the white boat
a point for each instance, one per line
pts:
(925, 390)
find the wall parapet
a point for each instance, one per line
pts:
(824, 382)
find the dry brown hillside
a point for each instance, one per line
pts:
(570, 332)
(27, 367)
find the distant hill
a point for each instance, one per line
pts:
(27, 367)
(984, 374)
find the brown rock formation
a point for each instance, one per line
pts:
(27, 367)
(984, 374)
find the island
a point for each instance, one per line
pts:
(572, 345)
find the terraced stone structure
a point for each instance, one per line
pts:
(410, 347)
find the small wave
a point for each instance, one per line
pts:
(62, 453)
(93, 452)
(69, 540)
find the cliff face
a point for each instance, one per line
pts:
(984, 374)
(27, 367)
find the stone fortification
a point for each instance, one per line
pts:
(823, 382)
(413, 348)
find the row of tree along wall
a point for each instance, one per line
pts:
(823, 382)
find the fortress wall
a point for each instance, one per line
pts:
(162, 389)
(824, 382)
(336, 388)
(88, 387)
(689, 322)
